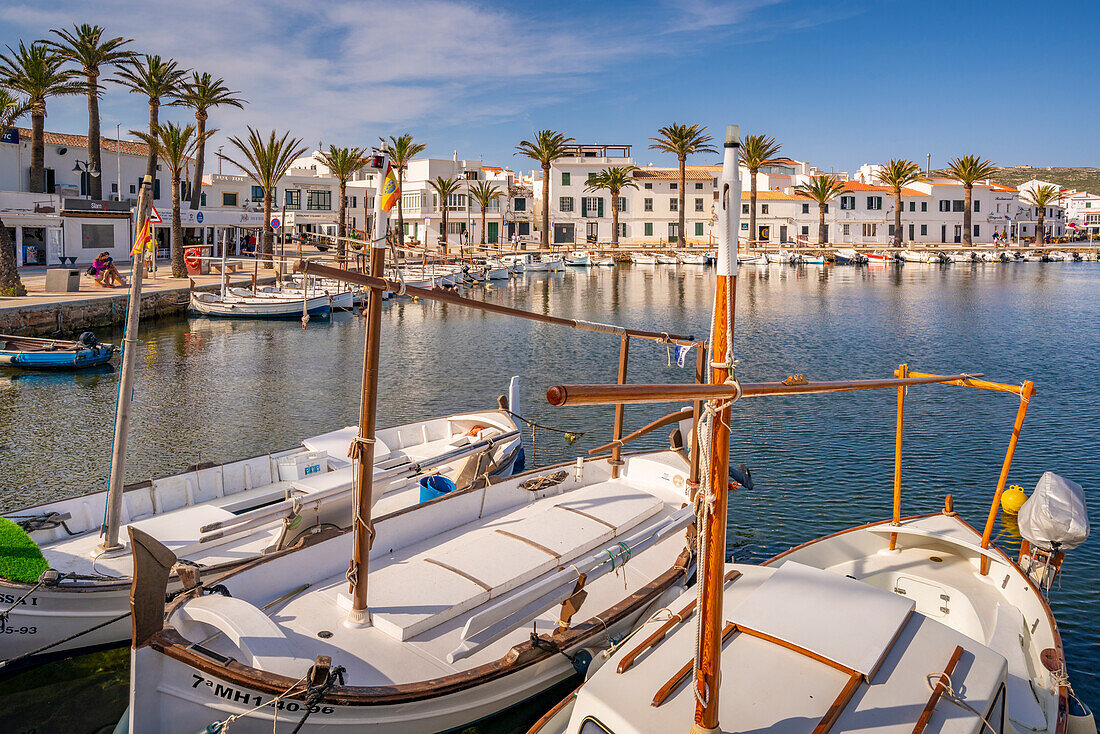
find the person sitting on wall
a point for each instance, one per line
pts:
(105, 272)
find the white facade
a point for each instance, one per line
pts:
(1082, 213)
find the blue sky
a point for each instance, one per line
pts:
(838, 84)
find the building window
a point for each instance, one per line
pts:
(744, 208)
(977, 231)
(257, 193)
(565, 203)
(957, 205)
(698, 229)
(622, 203)
(673, 231)
(456, 202)
(924, 206)
(202, 199)
(622, 229)
(674, 204)
(805, 231)
(229, 198)
(763, 209)
(470, 175)
(648, 228)
(847, 202)
(592, 176)
(592, 206)
(699, 205)
(673, 187)
(805, 208)
(92, 236)
(520, 205)
(945, 205)
(912, 229)
(890, 231)
(912, 206)
(870, 229)
(846, 229)
(114, 188)
(564, 178)
(648, 205)
(874, 202)
(648, 185)
(293, 199)
(133, 189)
(924, 230)
(524, 228)
(698, 187)
(977, 207)
(319, 200)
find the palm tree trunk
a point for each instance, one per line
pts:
(968, 195)
(821, 224)
(443, 237)
(179, 268)
(614, 220)
(10, 283)
(752, 207)
(483, 226)
(38, 151)
(200, 161)
(341, 223)
(1040, 230)
(680, 239)
(897, 217)
(544, 236)
(267, 248)
(94, 157)
(151, 160)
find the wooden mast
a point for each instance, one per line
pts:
(362, 450)
(712, 567)
(112, 512)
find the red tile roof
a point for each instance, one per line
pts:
(691, 173)
(106, 144)
(857, 186)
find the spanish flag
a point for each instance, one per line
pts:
(144, 240)
(390, 191)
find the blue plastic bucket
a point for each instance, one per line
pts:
(435, 486)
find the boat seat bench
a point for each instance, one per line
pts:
(1007, 639)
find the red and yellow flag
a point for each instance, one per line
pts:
(144, 240)
(390, 192)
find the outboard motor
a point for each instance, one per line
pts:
(1052, 521)
(88, 339)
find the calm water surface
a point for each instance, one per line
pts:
(219, 390)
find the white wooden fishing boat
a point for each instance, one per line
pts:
(1054, 256)
(518, 263)
(497, 270)
(579, 258)
(957, 257)
(812, 259)
(457, 587)
(849, 256)
(241, 304)
(342, 298)
(691, 258)
(642, 258)
(666, 259)
(778, 257)
(908, 256)
(751, 260)
(550, 263)
(604, 261)
(880, 257)
(226, 515)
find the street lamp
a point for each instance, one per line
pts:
(88, 168)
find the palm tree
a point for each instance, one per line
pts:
(401, 150)
(614, 180)
(157, 79)
(898, 173)
(1041, 197)
(757, 151)
(266, 162)
(175, 145)
(444, 188)
(547, 147)
(682, 141)
(200, 94)
(11, 109)
(342, 163)
(821, 189)
(86, 47)
(968, 170)
(36, 72)
(484, 193)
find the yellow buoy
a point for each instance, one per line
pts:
(1012, 499)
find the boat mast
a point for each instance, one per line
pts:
(112, 512)
(713, 499)
(363, 446)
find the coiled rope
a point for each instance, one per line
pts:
(935, 680)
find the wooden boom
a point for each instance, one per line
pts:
(432, 294)
(561, 395)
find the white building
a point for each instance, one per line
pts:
(1082, 213)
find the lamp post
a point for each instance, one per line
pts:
(118, 159)
(88, 168)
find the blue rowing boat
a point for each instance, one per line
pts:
(31, 353)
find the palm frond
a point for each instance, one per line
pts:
(485, 193)
(546, 147)
(37, 72)
(265, 161)
(11, 109)
(898, 173)
(1042, 196)
(402, 149)
(821, 189)
(173, 143)
(758, 150)
(969, 169)
(344, 162)
(683, 140)
(203, 91)
(613, 179)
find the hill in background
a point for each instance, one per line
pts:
(1082, 178)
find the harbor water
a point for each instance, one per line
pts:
(212, 390)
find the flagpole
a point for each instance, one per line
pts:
(112, 512)
(363, 446)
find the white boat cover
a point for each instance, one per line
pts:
(815, 610)
(1055, 514)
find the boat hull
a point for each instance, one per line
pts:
(260, 308)
(58, 360)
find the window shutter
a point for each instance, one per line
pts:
(584, 206)
(599, 207)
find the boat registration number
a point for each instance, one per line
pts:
(246, 698)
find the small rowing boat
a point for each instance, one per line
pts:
(689, 258)
(31, 353)
(579, 258)
(241, 304)
(639, 258)
(664, 259)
